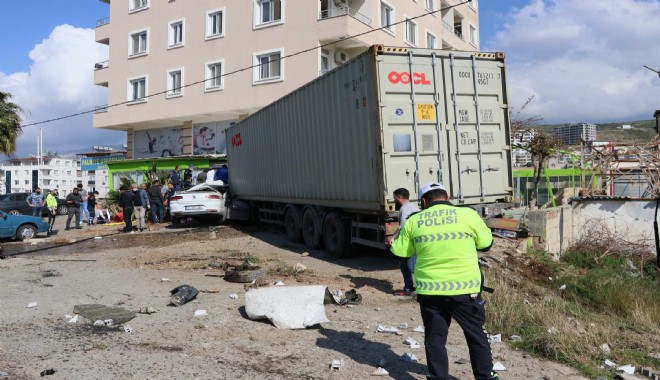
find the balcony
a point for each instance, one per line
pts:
(101, 73)
(103, 31)
(344, 11)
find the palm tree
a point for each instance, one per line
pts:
(10, 123)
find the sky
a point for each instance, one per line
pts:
(581, 61)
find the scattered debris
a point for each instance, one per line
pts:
(278, 283)
(3, 373)
(515, 338)
(47, 372)
(382, 363)
(200, 313)
(182, 294)
(98, 237)
(337, 364)
(462, 361)
(99, 323)
(299, 268)
(412, 343)
(605, 348)
(495, 338)
(165, 280)
(31, 305)
(419, 329)
(288, 307)
(563, 287)
(403, 325)
(245, 273)
(95, 312)
(352, 298)
(387, 329)
(654, 355)
(146, 310)
(304, 254)
(128, 328)
(609, 364)
(212, 235)
(233, 296)
(553, 330)
(74, 319)
(380, 372)
(409, 358)
(526, 302)
(499, 367)
(629, 369)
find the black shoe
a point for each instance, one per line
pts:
(66, 229)
(79, 228)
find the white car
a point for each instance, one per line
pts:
(205, 201)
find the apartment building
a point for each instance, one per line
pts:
(181, 72)
(49, 173)
(573, 134)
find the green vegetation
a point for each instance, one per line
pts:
(10, 123)
(642, 131)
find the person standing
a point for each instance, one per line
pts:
(448, 279)
(140, 202)
(175, 177)
(210, 175)
(126, 203)
(73, 202)
(222, 174)
(156, 202)
(91, 206)
(188, 177)
(84, 212)
(406, 208)
(51, 204)
(36, 201)
(201, 176)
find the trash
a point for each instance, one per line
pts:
(182, 294)
(403, 326)
(553, 330)
(605, 348)
(462, 361)
(99, 323)
(609, 364)
(382, 363)
(495, 338)
(409, 358)
(288, 307)
(233, 296)
(412, 343)
(279, 283)
(95, 312)
(419, 329)
(128, 328)
(146, 310)
(4, 374)
(339, 293)
(98, 237)
(563, 287)
(299, 268)
(47, 372)
(74, 319)
(515, 338)
(304, 254)
(165, 280)
(499, 367)
(109, 322)
(337, 364)
(32, 305)
(200, 313)
(387, 329)
(526, 302)
(68, 316)
(629, 369)
(212, 235)
(380, 372)
(352, 298)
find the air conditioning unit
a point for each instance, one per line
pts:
(341, 57)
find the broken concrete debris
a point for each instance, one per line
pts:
(380, 371)
(182, 294)
(96, 312)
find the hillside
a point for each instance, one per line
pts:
(642, 131)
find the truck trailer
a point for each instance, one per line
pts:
(323, 160)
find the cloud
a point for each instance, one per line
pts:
(61, 82)
(582, 60)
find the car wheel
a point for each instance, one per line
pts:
(26, 231)
(14, 212)
(62, 210)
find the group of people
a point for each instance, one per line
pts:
(140, 200)
(80, 204)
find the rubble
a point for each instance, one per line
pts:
(96, 312)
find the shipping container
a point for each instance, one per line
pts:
(389, 118)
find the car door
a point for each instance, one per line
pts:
(21, 203)
(6, 229)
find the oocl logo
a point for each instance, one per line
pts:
(236, 140)
(404, 78)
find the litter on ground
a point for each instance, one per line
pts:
(499, 367)
(380, 372)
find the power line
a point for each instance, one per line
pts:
(382, 28)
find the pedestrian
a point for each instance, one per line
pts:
(51, 204)
(91, 206)
(102, 214)
(210, 175)
(140, 204)
(448, 279)
(168, 193)
(175, 177)
(126, 204)
(201, 176)
(406, 208)
(73, 202)
(188, 177)
(222, 174)
(36, 201)
(156, 202)
(84, 212)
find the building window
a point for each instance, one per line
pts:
(387, 17)
(213, 76)
(411, 32)
(137, 89)
(474, 4)
(473, 36)
(215, 23)
(268, 11)
(325, 61)
(430, 40)
(16, 182)
(430, 5)
(137, 43)
(174, 83)
(135, 5)
(268, 66)
(27, 182)
(176, 33)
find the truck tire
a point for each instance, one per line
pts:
(336, 235)
(292, 224)
(246, 275)
(311, 228)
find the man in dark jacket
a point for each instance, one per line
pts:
(126, 204)
(188, 177)
(73, 202)
(175, 176)
(156, 201)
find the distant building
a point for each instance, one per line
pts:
(573, 134)
(49, 173)
(94, 168)
(626, 126)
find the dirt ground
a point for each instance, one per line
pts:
(127, 270)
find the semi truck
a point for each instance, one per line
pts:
(323, 160)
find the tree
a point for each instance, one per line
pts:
(10, 123)
(540, 146)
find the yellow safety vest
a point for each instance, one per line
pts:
(446, 239)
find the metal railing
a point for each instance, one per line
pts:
(101, 65)
(101, 108)
(447, 26)
(103, 21)
(344, 11)
(458, 34)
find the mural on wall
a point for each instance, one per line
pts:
(209, 138)
(162, 142)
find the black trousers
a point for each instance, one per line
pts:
(73, 213)
(128, 219)
(470, 314)
(51, 219)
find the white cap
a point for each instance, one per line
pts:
(430, 186)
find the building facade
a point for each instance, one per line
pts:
(573, 134)
(180, 72)
(49, 173)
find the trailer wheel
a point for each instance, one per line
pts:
(311, 228)
(336, 235)
(292, 224)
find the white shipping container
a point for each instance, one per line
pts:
(389, 118)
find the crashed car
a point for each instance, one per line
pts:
(20, 227)
(203, 202)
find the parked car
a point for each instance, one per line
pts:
(20, 227)
(16, 204)
(205, 202)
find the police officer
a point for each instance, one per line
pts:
(447, 277)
